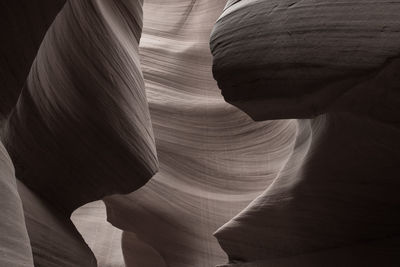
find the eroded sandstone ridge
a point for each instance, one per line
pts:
(303, 55)
(214, 159)
(300, 59)
(53, 237)
(319, 188)
(81, 129)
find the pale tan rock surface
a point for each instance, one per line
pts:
(102, 238)
(214, 160)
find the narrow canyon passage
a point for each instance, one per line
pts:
(197, 133)
(213, 158)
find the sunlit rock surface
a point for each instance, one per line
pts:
(214, 160)
(338, 190)
(81, 128)
(102, 238)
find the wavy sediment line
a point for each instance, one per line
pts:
(81, 126)
(301, 59)
(214, 160)
(15, 249)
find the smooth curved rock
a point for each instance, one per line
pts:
(81, 129)
(138, 253)
(23, 24)
(54, 239)
(339, 195)
(374, 253)
(214, 160)
(15, 249)
(287, 59)
(303, 55)
(102, 238)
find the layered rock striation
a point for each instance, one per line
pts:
(15, 249)
(288, 59)
(214, 160)
(81, 129)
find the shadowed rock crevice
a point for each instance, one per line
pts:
(23, 24)
(301, 61)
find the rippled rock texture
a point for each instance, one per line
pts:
(300, 59)
(214, 160)
(81, 129)
(102, 238)
(15, 249)
(302, 55)
(53, 237)
(33, 232)
(318, 188)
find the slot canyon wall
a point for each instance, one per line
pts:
(126, 102)
(336, 63)
(214, 159)
(81, 128)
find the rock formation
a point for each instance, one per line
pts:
(53, 237)
(83, 112)
(213, 159)
(15, 249)
(23, 24)
(288, 59)
(102, 238)
(33, 233)
(312, 183)
(81, 128)
(302, 55)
